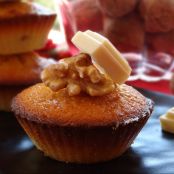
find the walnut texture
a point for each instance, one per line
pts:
(77, 74)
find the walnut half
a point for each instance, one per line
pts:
(77, 74)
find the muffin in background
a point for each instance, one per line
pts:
(22, 69)
(18, 72)
(24, 26)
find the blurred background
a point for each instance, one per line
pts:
(144, 39)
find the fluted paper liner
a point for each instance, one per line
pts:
(24, 34)
(82, 145)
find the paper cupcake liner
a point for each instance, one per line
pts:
(24, 34)
(82, 145)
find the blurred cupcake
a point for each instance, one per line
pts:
(158, 15)
(17, 72)
(126, 33)
(22, 69)
(117, 8)
(79, 115)
(24, 26)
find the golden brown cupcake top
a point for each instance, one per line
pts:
(77, 74)
(15, 9)
(22, 69)
(39, 103)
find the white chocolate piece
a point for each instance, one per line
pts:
(103, 54)
(111, 48)
(167, 121)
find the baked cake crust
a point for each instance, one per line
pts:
(40, 104)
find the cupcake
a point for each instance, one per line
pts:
(18, 72)
(79, 114)
(24, 26)
(22, 69)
